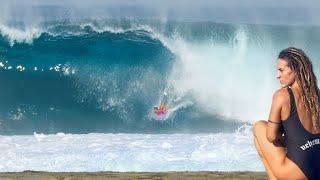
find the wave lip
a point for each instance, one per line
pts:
(27, 34)
(16, 35)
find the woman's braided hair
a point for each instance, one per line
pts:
(299, 62)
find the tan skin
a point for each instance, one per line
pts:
(267, 136)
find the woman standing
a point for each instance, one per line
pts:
(289, 143)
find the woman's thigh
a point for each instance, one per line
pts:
(281, 166)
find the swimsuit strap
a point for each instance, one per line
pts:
(292, 102)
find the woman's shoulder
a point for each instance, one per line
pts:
(281, 96)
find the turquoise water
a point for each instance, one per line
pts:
(106, 75)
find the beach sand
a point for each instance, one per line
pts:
(35, 175)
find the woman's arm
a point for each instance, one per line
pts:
(274, 121)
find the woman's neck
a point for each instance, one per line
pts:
(295, 86)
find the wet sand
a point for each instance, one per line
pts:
(35, 175)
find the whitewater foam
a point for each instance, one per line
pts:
(210, 72)
(129, 152)
(16, 35)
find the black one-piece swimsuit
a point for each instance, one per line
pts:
(303, 147)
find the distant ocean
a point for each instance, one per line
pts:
(79, 95)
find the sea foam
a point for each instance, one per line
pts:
(130, 152)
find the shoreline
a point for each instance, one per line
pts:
(33, 175)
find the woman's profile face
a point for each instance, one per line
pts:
(286, 75)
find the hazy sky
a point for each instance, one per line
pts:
(305, 3)
(234, 11)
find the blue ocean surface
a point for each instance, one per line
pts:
(77, 94)
(107, 75)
